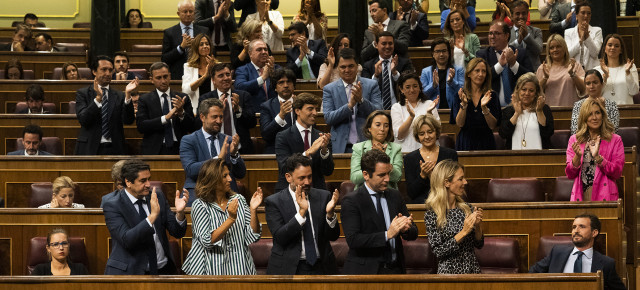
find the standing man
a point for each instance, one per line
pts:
(581, 257)
(217, 15)
(304, 138)
(102, 112)
(277, 114)
(121, 73)
(348, 102)
(31, 140)
(21, 37)
(164, 116)
(302, 221)
(417, 21)
(305, 56)
(379, 12)
(176, 40)
(375, 219)
(138, 222)
(255, 77)
(563, 16)
(525, 37)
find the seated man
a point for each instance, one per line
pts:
(121, 62)
(34, 97)
(255, 77)
(581, 257)
(305, 56)
(525, 37)
(44, 42)
(417, 21)
(276, 114)
(379, 12)
(31, 20)
(31, 139)
(20, 40)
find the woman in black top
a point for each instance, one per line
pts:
(58, 252)
(239, 49)
(419, 164)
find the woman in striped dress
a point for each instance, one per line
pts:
(223, 225)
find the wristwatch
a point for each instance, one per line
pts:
(270, 22)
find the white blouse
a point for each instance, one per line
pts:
(273, 39)
(399, 114)
(527, 129)
(620, 87)
(458, 57)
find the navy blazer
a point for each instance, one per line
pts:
(280, 211)
(369, 70)
(21, 152)
(170, 55)
(130, 76)
(489, 54)
(244, 123)
(420, 33)
(148, 120)
(269, 128)
(557, 259)
(319, 48)
(133, 237)
(247, 80)
(402, 35)
(204, 13)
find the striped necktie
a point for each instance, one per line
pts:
(104, 110)
(386, 85)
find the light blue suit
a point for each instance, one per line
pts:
(337, 113)
(452, 88)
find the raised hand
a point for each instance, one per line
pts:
(479, 213)
(545, 69)
(485, 99)
(436, 78)
(628, 66)
(517, 105)
(235, 100)
(511, 56)
(394, 64)
(568, 17)
(463, 99)
(301, 199)
(235, 141)
(54, 203)
(378, 68)
(503, 58)
(426, 167)
(432, 106)
(410, 110)
(331, 58)
(285, 108)
(572, 67)
(576, 149)
(98, 91)
(131, 86)
(186, 41)
(256, 199)
(232, 209)
(470, 222)
(540, 103)
(451, 74)
(224, 149)
(332, 203)
(378, 146)
(356, 93)
(154, 206)
(181, 202)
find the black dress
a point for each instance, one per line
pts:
(234, 52)
(507, 128)
(476, 134)
(418, 188)
(44, 269)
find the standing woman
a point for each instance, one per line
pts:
(620, 73)
(560, 76)
(272, 24)
(453, 226)
(223, 225)
(527, 120)
(239, 51)
(594, 83)
(311, 15)
(465, 43)
(442, 78)
(196, 80)
(595, 155)
(329, 69)
(476, 109)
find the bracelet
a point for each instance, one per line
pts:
(488, 111)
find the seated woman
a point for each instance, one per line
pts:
(476, 109)
(527, 120)
(465, 43)
(594, 82)
(462, 5)
(63, 194)
(58, 251)
(272, 24)
(595, 155)
(442, 78)
(239, 52)
(316, 21)
(620, 73)
(560, 76)
(133, 19)
(411, 104)
(223, 225)
(419, 164)
(453, 226)
(329, 69)
(70, 71)
(378, 130)
(13, 70)
(196, 80)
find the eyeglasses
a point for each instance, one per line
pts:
(495, 33)
(60, 244)
(440, 51)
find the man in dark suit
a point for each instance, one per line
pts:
(526, 37)
(34, 97)
(302, 221)
(217, 15)
(239, 112)
(21, 37)
(379, 11)
(304, 138)
(102, 112)
(208, 143)
(562, 17)
(31, 140)
(177, 39)
(276, 114)
(305, 56)
(386, 68)
(417, 21)
(44, 42)
(507, 63)
(581, 257)
(249, 7)
(138, 222)
(375, 219)
(121, 70)
(255, 77)
(164, 116)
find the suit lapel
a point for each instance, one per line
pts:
(288, 202)
(296, 137)
(596, 263)
(133, 217)
(202, 144)
(367, 202)
(317, 211)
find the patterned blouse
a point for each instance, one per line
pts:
(609, 105)
(73, 205)
(228, 256)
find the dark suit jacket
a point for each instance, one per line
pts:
(204, 12)
(287, 232)
(133, 237)
(249, 7)
(319, 48)
(365, 234)
(26, 111)
(21, 152)
(130, 76)
(556, 260)
(149, 123)
(369, 70)
(290, 141)
(244, 123)
(170, 41)
(90, 118)
(558, 13)
(269, 128)
(418, 188)
(247, 80)
(420, 33)
(5, 47)
(400, 30)
(489, 54)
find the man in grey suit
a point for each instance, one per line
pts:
(562, 17)
(379, 11)
(523, 36)
(348, 102)
(31, 139)
(218, 16)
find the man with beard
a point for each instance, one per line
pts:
(31, 139)
(581, 257)
(276, 114)
(525, 37)
(121, 61)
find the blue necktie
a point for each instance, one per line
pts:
(506, 86)
(309, 243)
(141, 212)
(574, 21)
(383, 220)
(214, 152)
(386, 86)
(168, 130)
(577, 266)
(104, 110)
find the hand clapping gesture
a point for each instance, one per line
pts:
(426, 168)
(256, 199)
(540, 103)
(464, 100)
(332, 204)
(301, 200)
(432, 106)
(485, 99)
(628, 66)
(545, 70)
(232, 209)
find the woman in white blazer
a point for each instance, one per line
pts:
(196, 79)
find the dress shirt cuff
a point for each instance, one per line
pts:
(526, 37)
(396, 75)
(324, 155)
(298, 62)
(150, 224)
(127, 101)
(180, 50)
(310, 54)
(239, 113)
(301, 220)
(304, 153)
(386, 238)
(97, 103)
(564, 23)
(413, 27)
(260, 80)
(181, 222)
(163, 119)
(280, 121)
(332, 222)
(515, 67)
(498, 68)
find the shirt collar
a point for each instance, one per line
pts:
(206, 135)
(182, 26)
(132, 198)
(352, 84)
(301, 128)
(371, 192)
(26, 154)
(587, 253)
(255, 66)
(281, 100)
(386, 22)
(220, 93)
(160, 93)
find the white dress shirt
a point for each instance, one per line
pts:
(302, 220)
(587, 260)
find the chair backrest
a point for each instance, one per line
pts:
(345, 187)
(562, 189)
(499, 256)
(500, 143)
(636, 98)
(41, 193)
(340, 250)
(72, 108)
(260, 251)
(49, 107)
(146, 48)
(630, 136)
(83, 73)
(515, 190)
(73, 46)
(147, 25)
(446, 141)
(27, 74)
(560, 139)
(142, 73)
(38, 252)
(82, 25)
(547, 243)
(419, 258)
(52, 145)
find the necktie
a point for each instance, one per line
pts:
(151, 251)
(217, 27)
(264, 85)
(141, 212)
(506, 86)
(306, 139)
(187, 30)
(226, 117)
(309, 243)
(214, 152)
(574, 21)
(381, 218)
(104, 110)
(577, 266)
(353, 132)
(306, 73)
(386, 86)
(168, 130)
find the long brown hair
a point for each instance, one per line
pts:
(209, 178)
(622, 58)
(316, 9)
(486, 86)
(194, 55)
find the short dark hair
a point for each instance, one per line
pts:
(96, 62)
(13, 62)
(204, 106)
(595, 221)
(439, 41)
(131, 168)
(519, 3)
(30, 16)
(594, 72)
(371, 158)
(218, 67)
(32, 129)
(405, 76)
(156, 66)
(385, 33)
(299, 27)
(346, 53)
(46, 36)
(305, 98)
(35, 92)
(580, 4)
(381, 4)
(121, 53)
(281, 73)
(367, 125)
(294, 161)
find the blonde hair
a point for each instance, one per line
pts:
(438, 200)
(63, 182)
(246, 30)
(194, 55)
(524, 79)
(428, 120)
(486, 86)
(558, 38)
(606, 129)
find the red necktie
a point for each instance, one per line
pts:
(226, 116)
(264, 85)
(306, 140)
